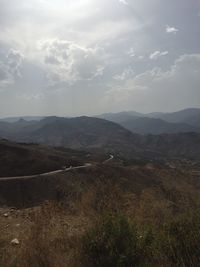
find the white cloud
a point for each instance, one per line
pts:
(14, 61)
(10, 68)
(169, 29)
(5, 76)
(155, 55)
(124, 2)
(126, 74)
(131, 52)
(70, 62)
(156, 89)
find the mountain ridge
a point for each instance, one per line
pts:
(187, 120)
(94, 134)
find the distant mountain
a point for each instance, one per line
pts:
(78, 133)
(194, 120)
(94, 134)
(154, 114)
(156, 126)
(121, 116)
(187, 120)
(186, 145)
(185, 115)
(27, 118)
(82, 133)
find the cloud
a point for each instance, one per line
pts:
(127, 73)
(169, 29)
(91, 47)
(157, 54)
(131, 52)
(124, 2)
(5, 76)
(10, 67)
(70, 62)
(31, 97)
(157, 89)
(14, 61)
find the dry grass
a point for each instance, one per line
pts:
(51, 235)
(48, 236)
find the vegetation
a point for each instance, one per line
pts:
(180, 240)
(116, 242)
(109, 216)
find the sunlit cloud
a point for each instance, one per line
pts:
(10, 68)
(126, 74)
(69, 62)
(155, 55)
(169, 29)
(124, 2)
(168, 87)
(131, 52)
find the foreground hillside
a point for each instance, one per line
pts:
(106, 215)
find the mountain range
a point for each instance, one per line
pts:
(100, 135)
(187, 120)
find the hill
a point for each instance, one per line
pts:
(28, 159)
(155, 210)
(156, 126)
(94, 134)
(27, 118)
(187, 120)
(180, 145)
(185, 115)
(121, 116)
(83, 133)
(68, 217)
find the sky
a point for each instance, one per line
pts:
(87, 57)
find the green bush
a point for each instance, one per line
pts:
(116, 243)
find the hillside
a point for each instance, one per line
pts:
(79, 132)
(27, 159)
(182, 145)
(180, 116)
(157, 123)
(68, 217)
(156, 126)
(27, 118)
(160, 205)
(99, 135)
(194, 120)
(121, 116)
(83, 133)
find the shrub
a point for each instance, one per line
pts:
(115, 242)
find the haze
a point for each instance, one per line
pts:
(77, 57)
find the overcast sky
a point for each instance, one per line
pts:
(75, 57)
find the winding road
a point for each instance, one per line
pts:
(86, 165)
(110, 158)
